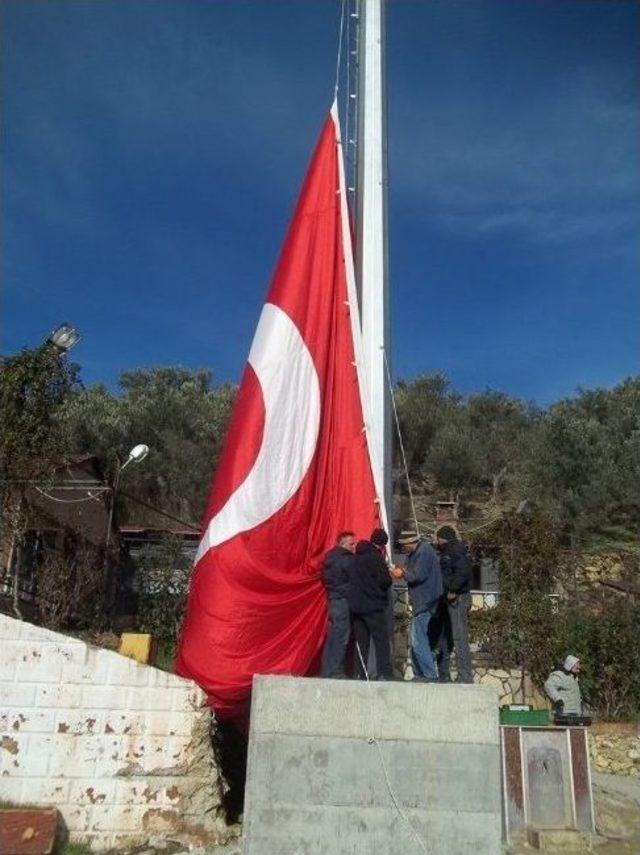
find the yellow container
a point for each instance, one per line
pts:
(138, 646)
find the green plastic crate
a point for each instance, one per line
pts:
(524, 718)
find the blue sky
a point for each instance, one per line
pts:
(152, 151)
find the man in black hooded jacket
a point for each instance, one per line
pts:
(456, 579)
(369, 600)
(336, 575)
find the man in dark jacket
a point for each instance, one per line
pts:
(336, 575)
(424, 581)
(456, 578)
(368, 601)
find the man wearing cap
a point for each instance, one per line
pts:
(563, 689)
(424, 580)
(456, 578)
(369, 601)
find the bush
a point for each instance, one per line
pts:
(164, 572)
(72, 590)
(519, 631)
(606, 637)
(532, 631)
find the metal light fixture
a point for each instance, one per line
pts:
(64, 337)
(136, 455)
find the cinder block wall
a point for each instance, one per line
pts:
(122, 749)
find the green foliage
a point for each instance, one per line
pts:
(604, 635)
(586, 465)
(72, 589)
(499, 429)
(176, 413)
(35, 386)
(453, 459)
(519, 631)
(163, 573)
(424, 406)
(75, 849)
(530, 630)
(578, 461)
(477, 443)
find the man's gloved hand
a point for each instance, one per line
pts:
(558, 707)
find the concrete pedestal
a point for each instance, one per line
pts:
(319, 784)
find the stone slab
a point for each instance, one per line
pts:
(339, 766)
(27, 831)
(395, 710)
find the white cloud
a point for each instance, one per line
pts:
(564, 165)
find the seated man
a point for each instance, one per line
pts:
(336, 575)
(563, 689)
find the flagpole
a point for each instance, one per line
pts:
(371, 229)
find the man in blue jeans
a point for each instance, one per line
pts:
(424, 580)
(336, 575)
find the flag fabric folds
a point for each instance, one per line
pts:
(295, 467)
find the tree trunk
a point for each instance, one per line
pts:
(496, 480)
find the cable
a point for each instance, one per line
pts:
(65, 501)
(162, 513)
(335, 91)
(352, 105)
(400, 441)
(373, 741)
(345, 147)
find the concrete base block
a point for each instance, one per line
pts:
(339, 767)
(565, 839)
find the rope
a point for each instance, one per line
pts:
(88, 498)
(373, 741)
(484, 525)
(339, 59)
(400, 441)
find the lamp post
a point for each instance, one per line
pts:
(40, 359)
(64, 337)
(136, 455)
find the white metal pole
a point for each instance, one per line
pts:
(371, 244)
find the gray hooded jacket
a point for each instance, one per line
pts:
(563, 686)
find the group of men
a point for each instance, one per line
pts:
(357, 578)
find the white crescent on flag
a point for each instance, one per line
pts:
(291, 394)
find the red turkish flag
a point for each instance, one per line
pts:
(295, 468)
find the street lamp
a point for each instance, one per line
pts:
(136, 455)
(64, 337)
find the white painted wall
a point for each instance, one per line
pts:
(121, 749)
